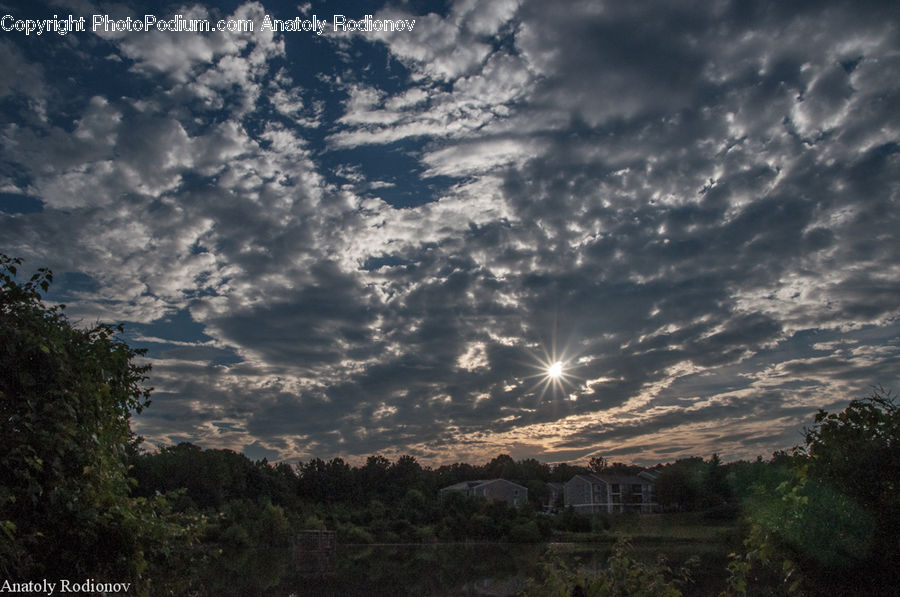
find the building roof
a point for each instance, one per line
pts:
(613, 479)
(472, 484)
(651, 476)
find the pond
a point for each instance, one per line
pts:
(495, 570)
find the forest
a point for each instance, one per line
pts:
(82, 497)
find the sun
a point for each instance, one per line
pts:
(555, 371)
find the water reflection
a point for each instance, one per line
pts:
(437, 570)
(495, 570)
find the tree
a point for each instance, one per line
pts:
(857, 451)
(598, 464)
(211, 478)
(66, 399)
(501, 467)
(562, 472)
(680, 485)
(403, 475)
(533, 470)
(602, 466)
(329, 482)
(830, 524)
(373, 478)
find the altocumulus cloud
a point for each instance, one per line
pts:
(349, 244)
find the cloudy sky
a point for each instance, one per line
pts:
(377, 242)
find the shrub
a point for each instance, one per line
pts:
(66, 399)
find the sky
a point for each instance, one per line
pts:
(338, 243)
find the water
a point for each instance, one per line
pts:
(496, 570)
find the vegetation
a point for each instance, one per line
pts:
(66, 397)
(623, 576)
(80, 498)
(827, 516)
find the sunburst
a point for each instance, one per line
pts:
(554, 374)
(555, 371)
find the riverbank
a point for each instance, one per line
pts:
(663, 528)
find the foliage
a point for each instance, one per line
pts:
(598, 464)
(693, 484)
(829, 524)
(562, 472)
(350, 533)
(601, 466)
(624, 576)
(569, 520)
(857, 451)
(66, 399)
(212, 478)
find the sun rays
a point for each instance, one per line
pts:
(554, 374)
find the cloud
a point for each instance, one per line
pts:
(29, 81)
(692, 206)
(445, 47)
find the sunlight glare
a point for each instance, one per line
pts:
(556, 370)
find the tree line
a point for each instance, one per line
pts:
(81, 497)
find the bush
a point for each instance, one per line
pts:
(66, 399)
(830, 522)
(350, 533)
(525, 532)
(571, 521)
(601, 522)
(624, 576)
